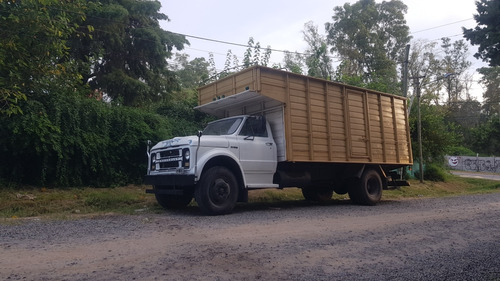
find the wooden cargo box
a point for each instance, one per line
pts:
(315, 120)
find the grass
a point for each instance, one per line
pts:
(70, 202)
(76, 202)
(453, 186)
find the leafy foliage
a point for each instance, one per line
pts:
(436, 136)
(370, 38)
(126, 58)
(191, 74)
(293, 62)
(491, 97)
(67, 140)
(253, 54)
(181, 114)
(33, 49)
(454, 66)
(318, 62)
(433, 172)
(487, 32)
(487, 137)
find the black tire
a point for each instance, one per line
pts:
(368, 189)
(317, 194)
(217, 191)
(173, 202)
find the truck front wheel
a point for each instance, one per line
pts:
(366, 190)
(217, 191)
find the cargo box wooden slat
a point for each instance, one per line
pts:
(315, 120)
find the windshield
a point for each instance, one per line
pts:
(223, 127)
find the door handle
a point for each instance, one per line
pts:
(269, 143)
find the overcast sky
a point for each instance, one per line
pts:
(279, 23)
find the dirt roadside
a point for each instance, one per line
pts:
(477, 175)
(454, 238)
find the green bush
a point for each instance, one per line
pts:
(433, 172)
(460, 151)
(69, 140)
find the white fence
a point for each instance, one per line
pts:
(475, 164)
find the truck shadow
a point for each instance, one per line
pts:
(278, 205)
(287, 204)
(299, 204)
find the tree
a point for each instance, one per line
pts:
(126, 58)
(318, 62)
(232, 63)
(453, 68)
(463, 116)
(34, 50)
(293, 62)
(253, 56)
(372, 38)
(487, 32)
(437, 138)
(487, 137)
(423, 62)
(191, 74)
(491, 96)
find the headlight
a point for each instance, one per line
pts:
(185, 155)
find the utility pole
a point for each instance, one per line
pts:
(419, 128)
(405, 71)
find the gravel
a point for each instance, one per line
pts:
(455, 238)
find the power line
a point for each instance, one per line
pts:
(443, 25)
(242, 45)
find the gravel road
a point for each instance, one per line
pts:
(456, 238)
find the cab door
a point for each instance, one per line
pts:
(258, 152)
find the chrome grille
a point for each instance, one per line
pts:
(167, 159)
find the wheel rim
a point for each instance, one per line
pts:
(219, 192)
(373, 186)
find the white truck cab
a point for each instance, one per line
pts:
(239, 153)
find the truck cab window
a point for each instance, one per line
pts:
(223, 127)
(254, 126)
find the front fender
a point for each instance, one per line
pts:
(205, 156)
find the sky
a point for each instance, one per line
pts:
(279, 24)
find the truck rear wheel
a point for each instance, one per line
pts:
(173, 202)
(368, 189)
(217, 191)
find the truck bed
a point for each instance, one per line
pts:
(316, 120)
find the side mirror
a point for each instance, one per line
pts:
(147, 148)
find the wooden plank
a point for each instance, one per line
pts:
(288, 121)
(319, 101)
(275, 92)
(309, 120)
(394, 120)
(408, 137)
(295, 106)
(346, 124)
(297, 99)
(382, 131)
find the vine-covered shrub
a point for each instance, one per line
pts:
(68, 140)
(433, 172)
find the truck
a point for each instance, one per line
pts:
(278, 129)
